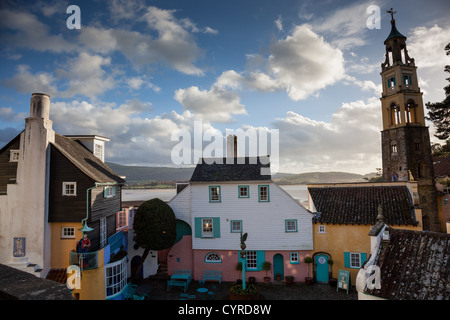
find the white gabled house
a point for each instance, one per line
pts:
(225, 198)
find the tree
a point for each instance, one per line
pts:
(154, 228)
(439, 112)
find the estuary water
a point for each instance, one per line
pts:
(298, 192)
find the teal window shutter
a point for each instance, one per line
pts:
(393, 79)
(198, 227)
(347, 259)
(363, 257)
(216, 227)
(260, 258)
(389, 83)
(410, 80)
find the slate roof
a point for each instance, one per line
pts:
(84, 160)
(359, 205)
(217, 169)
(414, 265)
(441, 166)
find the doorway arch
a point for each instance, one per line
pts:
(322, 268)
(278, 265)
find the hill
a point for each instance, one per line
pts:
(167, 176)
(323, 177)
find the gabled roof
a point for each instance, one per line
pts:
(240, 169)
(359, 205)
(84, 160)
(441, 166)
(414, 265)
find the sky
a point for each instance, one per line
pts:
(140, 72)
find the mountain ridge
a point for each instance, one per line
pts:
(144, 174)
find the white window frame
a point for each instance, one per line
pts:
(207, 228)
(322, 229)
(116, 277)
(355, 260)
(252, 260)
(67, 232)
(294, 257)
(213, 257)
(14, 155)
(103, 233)
(64, 189)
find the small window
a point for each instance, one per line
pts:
(109, 191)
(69, 189)
(263, 193)
(207, 228)
(294, 257)
(68, 233)
(291, 225)
(14, 155)
(213, 257)
(214, 194)
(322, 229)
(394, 148)
(243, 192)
(236, 226)
(355, 260)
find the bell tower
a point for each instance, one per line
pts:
(405, 140)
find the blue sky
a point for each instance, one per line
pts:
(139, 70)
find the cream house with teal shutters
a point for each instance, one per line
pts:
(227, 197)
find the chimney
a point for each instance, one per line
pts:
(40, 106)
(232, 146)
(32, 183)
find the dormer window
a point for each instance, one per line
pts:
(14, 155)
(98, 151)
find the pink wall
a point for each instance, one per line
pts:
(182, 256)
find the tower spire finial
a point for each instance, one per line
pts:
(392, 12)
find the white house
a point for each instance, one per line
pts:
(227, 197)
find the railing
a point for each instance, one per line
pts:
(85, 261)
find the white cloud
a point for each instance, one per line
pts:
(86, 76)
(25, 81)
(215, 105)
(349, 142)
(304, 63)
(426, 46)
(29, 32)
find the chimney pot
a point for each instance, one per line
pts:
(40, 106)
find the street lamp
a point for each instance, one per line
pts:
(243, 256)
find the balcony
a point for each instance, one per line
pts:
(86, 261)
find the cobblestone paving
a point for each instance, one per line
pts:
(156, 289)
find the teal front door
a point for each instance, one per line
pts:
(321, 262)
(278, 265)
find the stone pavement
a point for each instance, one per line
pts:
(156, 289)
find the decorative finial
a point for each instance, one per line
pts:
(380, 213)
(392, 12)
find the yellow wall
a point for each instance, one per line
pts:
(338, 239)
(93, 282)
(61, 247)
